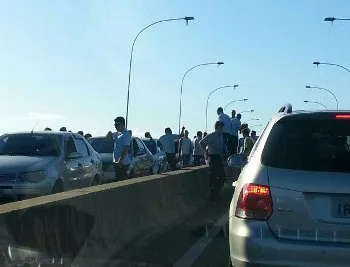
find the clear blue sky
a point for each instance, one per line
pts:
(65, 63)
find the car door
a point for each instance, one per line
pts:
(145, 158)
(72, 173)
(86, 163)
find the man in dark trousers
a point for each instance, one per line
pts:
(214, 143)
(121, 157)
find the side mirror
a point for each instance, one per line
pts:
(74, 155)
(237, 160)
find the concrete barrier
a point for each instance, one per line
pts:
(100, 221)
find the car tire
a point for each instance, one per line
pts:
(95, 181)
(58, 187)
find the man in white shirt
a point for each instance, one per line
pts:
(185, 149)
(235, 126)
(198, 152)
(226, 121)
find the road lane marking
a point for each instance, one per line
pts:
(198, 247)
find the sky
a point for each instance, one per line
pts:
(66, 63)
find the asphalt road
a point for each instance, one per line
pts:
(186, 241)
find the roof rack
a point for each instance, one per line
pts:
(287, 108)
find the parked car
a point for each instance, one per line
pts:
(293, 193)
(160, 163)
(141, 157)
(41, 163)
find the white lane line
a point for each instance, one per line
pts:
(197, 248)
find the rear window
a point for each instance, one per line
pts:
(101, 145)
(311, 145)
(151, 145)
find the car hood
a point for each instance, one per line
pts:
(11, 164)
(106, 157)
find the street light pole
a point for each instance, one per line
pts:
(246, 111)
(206, 108)
(330, 64)
(332, 19)
(315, 102)
(324, 89)
(252, 120)
(187, 19)
(182, 82)
(239, 100)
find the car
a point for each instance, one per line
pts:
(291, 205)
(160, 163)
(141, 157)
(41, 163)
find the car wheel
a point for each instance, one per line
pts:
(96, 181)
(58, 187)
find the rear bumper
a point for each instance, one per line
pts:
(253, 244)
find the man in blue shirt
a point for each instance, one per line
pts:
(226, 130)
(168, 143)
(121, 157)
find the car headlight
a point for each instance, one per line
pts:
(32, 177)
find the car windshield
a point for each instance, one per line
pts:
(101, 145)
(151, 145)
(29, 145)
(311, 145)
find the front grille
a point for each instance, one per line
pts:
(8, 178)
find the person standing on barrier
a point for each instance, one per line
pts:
(226, 131)
(198, 152)
(214, 142)
(121, 157)
(185, 150)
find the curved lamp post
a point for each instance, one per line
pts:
(182, 82)
(330, 64)
(315, 102)
(234, 101)
(187, 19)
(206, 107)
(246, 111)
(332, 19)
(324, 89)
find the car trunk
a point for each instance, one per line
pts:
(309, 176)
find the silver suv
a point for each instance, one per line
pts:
(291, 205)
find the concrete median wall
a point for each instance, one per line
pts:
(100, 221)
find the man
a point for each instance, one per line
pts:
(121, 157)
(198, 152)
(248, 142)
(47, 129)
(253, 135)
(168, 143)
(80, 133)
(226, 120)
(63, 129)
(241, 140)
(235, 126)
(87, 136)
(148, 135)
(185, 149)
(216, 147)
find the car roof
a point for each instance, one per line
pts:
(44, 133)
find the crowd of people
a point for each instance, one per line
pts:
(212, 149)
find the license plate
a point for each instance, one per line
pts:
(341, 209)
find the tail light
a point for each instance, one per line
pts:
(254, 202)
(342, 116)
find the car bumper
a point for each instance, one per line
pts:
(29, 189)
(253, 244)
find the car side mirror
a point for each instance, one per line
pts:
(237, 161)
(74, 155)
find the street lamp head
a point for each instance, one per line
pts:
(252, 110)
(307, 86)
(220, 63)
(306, 101)
(330, 19)
(236, 85)
(188, 18)
(245, 99)
(316, 63)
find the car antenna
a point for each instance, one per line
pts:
(31, 132)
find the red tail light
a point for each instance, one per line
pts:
(342, 116)
(254, 202)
